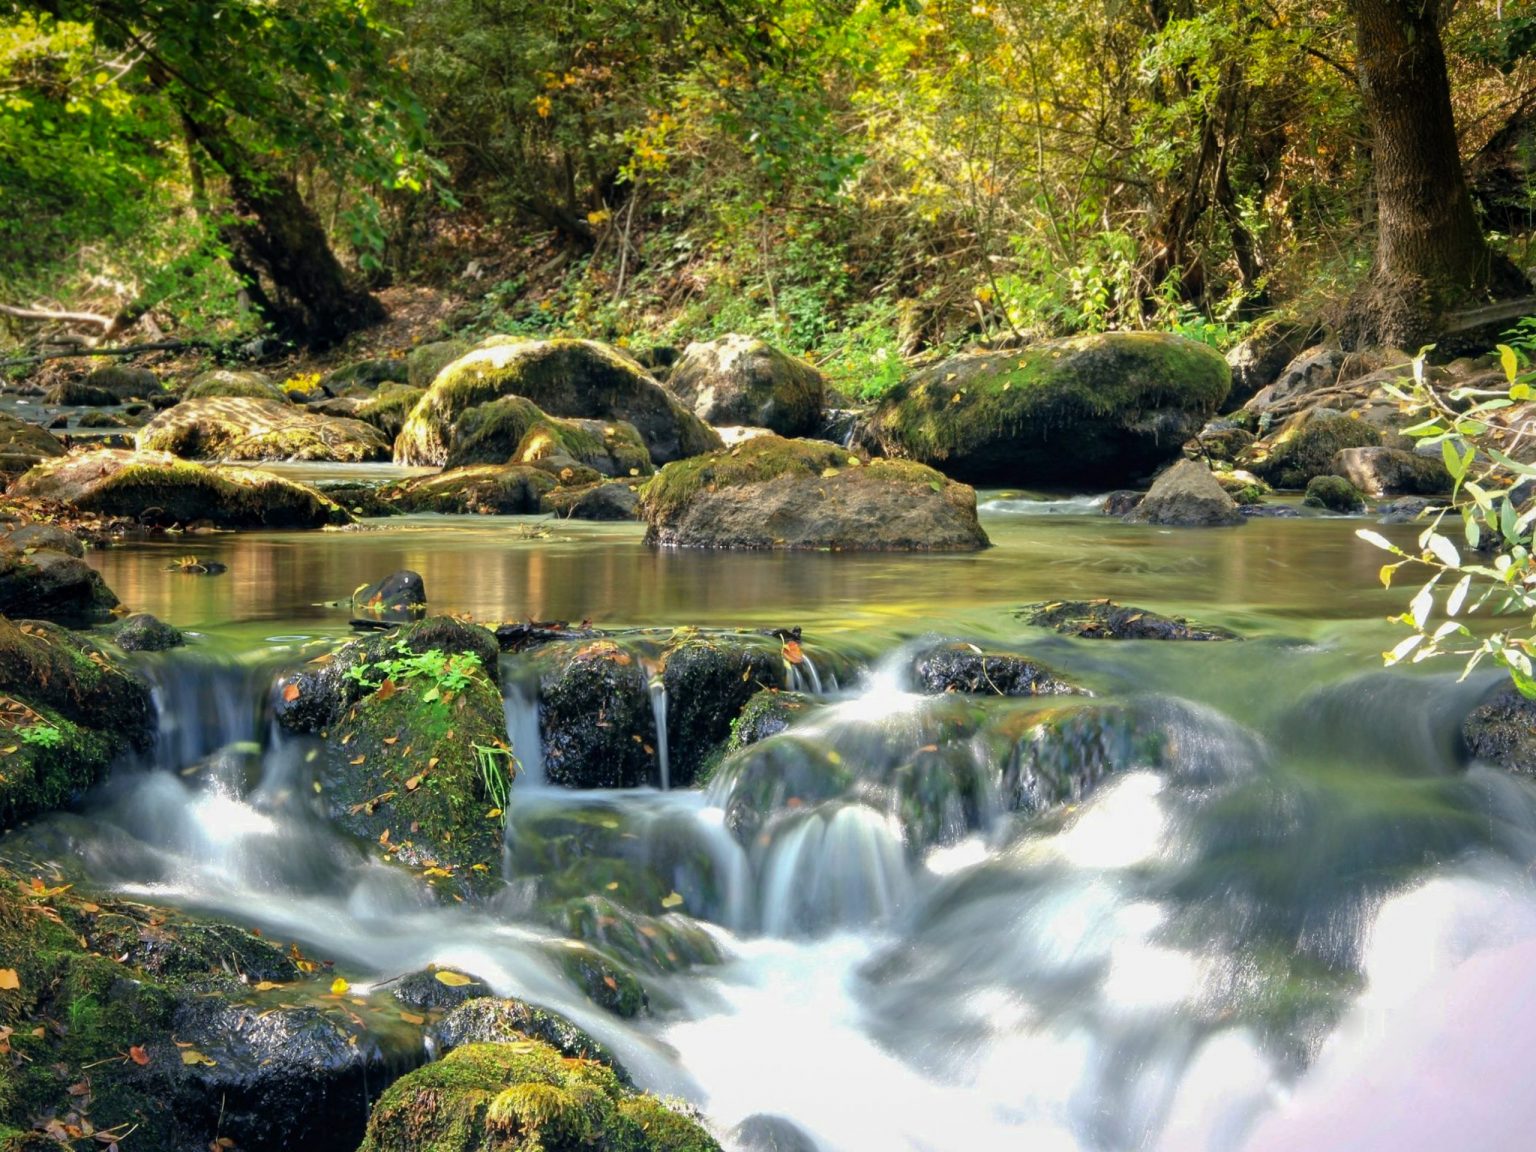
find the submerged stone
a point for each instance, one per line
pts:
(1106, 620)
(962, 667)
(398, 598)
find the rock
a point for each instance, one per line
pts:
(363, 377)
(1219, 440)
(766, 714)
(1061, 756)
(485, 489)
(69, 712)
(1187, 496)
(773, 493)
(46, 537)
(362, 498)
(485, 1019)
(1392, 472)
(428, 992)
(1405, 509)
(514, 430)
(1258, 361)
(1106, 409)
(79, 394)
(98, 420)
(612, 500)
(246, 429)
(155, 488)
(1306, 446)
(601, 979)
(1268, 512)
(23, 445)
(1244, 487)
(1122, 502)
(48, 585)
(1502, 731)
(398, 598)
(744, 380)
(961, 667)
(760, 1132)
(126, 383)
(483, 1097)
(580, 680)
(1106, 620)
(226, 384)
(1333, 493)
(567, 378)
(142, 632)
(1312, 370)
(708, 680)
(387, 410)
(425, 361)
(657, 944)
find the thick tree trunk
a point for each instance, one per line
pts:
(1430, 252)
(280, 249)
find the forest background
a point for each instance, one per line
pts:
(859, 181)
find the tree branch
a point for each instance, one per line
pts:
(45, 314)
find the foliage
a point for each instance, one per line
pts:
(445, 674)
(498, 767)
(1478, 547)
(40, 735)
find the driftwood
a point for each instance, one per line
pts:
(131, 350)
(45, 314)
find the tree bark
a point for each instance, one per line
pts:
(1431, 255)
(280, 249)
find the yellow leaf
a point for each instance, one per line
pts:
(412, 1018)
(9, 981)
(672, 901)
(267, 986)
(432, 763)
(413, 783)
(359, 760)
(453, 979)
(193, 1056)
(339, 986)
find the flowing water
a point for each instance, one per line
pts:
(1286, 918)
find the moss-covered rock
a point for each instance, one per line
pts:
(490, 433)
(483, 489)
(744, 380)
(1333, 493)
(1106, 620)
(960, 667)
(388, 410)
(126, 382)
(79, 394)
(524, 1097)
(142, 632)
(1392, 472)
(568, 378)
(595, 718)
(223, 382)
(768, 492)
(247, 429)
(657, 944)
(425, 361)
(363, 377)
(608, 500)
(50, 585)
(600, 978)
(1244, 487)
(767, 714)
(512, 429)
(155, 488)
(1105, 409)
(1305, 447)
(708, 680)
(22, 445)
(492, 1020)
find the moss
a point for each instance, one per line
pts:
(612, 448)
(490, 433)
(424, 362)
(664, 1129)
(603, 980)
(668, 943)
(251, 429)
(248, 385)
(1305, 447)
(1067, 408)
(388, 410)
(486, 489)
(1334, 493)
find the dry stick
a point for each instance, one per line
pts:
(49, 314)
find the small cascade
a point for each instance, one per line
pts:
(204, 704)
(521, 704)
(658, 690)
(837, 866)
(801, 675)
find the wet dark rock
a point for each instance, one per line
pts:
(358, 498)
(425, 991)
(487, 1019)
(1060, 757)
(178, 947)
(364, 376)
(1122, 502)
(1268, 512)
(961, 667)
(398, 598)
(595, 716)
(709, 679)
(1333, 493)
(767, 714)
(761, 1132)
(47, 585)
(1186, 496)
(1502, 731)
(768, 492)
(1392, 472)
(1405, 509)
(1106, 620)
(142, 632)
(612, 500)
(125, 382)
(601, 979)
(80, 394)
(485, 489)
(743, 380)
(531, 633)
(46, 537)
(656, 944)
(22, 445)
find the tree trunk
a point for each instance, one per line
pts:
(280, 249)
(1430, 252)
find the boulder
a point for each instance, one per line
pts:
(48, 585)
(774, 493)
(80, 394)
(1106, 620)
(1258, 361)
(960, 667)
(610, 500)
(513, 430)
(1186, 496)
(46, 538)
(98, 420)
(246, 429)
(439, 988)
(1244, 487)
(567, 378)
(483, 1097)
(708, 680)
(485, 1019)
(578, 682)
(656, 944)
(1502, 730)
(1378, 471)
(767, 713)
(744, 380)
(1334, 494)
(153, 487)
(761, 1132)
(125, 382)
(485, 489)
(142, 632)
(23, 445)
(425, 361)
(1105, 409)
(1305, 446)
(398, 598)
(66, 713)
(222, 382)
(363, 377)
(388, 409)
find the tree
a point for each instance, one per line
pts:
(1431, 254)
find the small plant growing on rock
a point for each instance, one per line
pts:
(40, 735)
(447, 673)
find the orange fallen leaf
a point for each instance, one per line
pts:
(413, 783)
(385, 690)
(138, 1055)
(412, 1018)
(792, 652)
(290, 693)
(611, 982)
(9, 981)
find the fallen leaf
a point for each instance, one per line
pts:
(359, 760)
(611, 982)
(671, 901)
(384, 836)
(413, 783)
(339, 986)
(267, 986)
(792, 652)
(193, 1056)
(412, 1018)
(290, 693)
(138, 1055)
(9, 981)
(385, 691)
(453, 979)
(391, 740)
(432, 763)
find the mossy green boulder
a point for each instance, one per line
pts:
(1305, 446)
(231, 384)
(1104, 410)
(387, 411)
(23, 445)
(483, 489)
(744, 380)
(220, 428)
(566, 378)
(67, 711)
(769, 492)
(50, 585)
(524, 1097)
(1333, 494)
(514, 430)
(157, 488)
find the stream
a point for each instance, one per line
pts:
(1288, 918)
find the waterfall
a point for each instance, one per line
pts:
(658, 690)
(521, 705)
